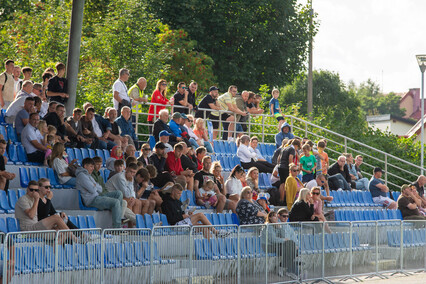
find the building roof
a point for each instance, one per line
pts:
(386, 117)
(416, 129)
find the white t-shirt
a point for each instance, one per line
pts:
(60, 166)
(274, 179)
(202, 191)
(120, 87)
(28, 134)
(96, 127)
(17, 85)
(311, 184)
(233, 186)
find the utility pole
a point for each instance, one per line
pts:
(73, 60)
(310, 76)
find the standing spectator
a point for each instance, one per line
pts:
(45, 77)
(32, 140)
(28, 72)
(241, 101)
(379, 190)
(284, 133)
(5, 176)
(339, 176)
(119, 89)
(303, 208)
(286, 157)
(274, 106)
(158, 97)
(174, 166)
(192, 92)
(181, 99)
(7, 84)
(248, 211)
(124, 123)
(57, 90)
(17, 81)
(409, 204)
(158, 159)
(292, 185)
(420, 184)
(136, 91)
(19, 101)
(210, 102)
(323, 156)
(201, 132)
(64, 170)
(360, 182)
(308, 163)
(92, 195)
(233, 185)
(22, 117)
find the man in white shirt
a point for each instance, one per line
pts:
(18, 102)
(320, 181)
(32, 140)
(119, 89)
(16, 80)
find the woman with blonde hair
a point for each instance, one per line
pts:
(158, 97)
(303, 208)
(216, 171)
(59, 162)
(252, 179)
(292, 185)
(201, 132)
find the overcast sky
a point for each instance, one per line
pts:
(375, 39)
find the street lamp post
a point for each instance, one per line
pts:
(421, 60)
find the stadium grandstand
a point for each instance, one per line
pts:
(171, 191)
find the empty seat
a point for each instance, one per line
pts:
(3, 226)
(140, 222)
(78, 155)
(74, 220)
(92, 153)
(13, 155)
(23, 177)
(91, 222)
(82, 222)
(42, 172)
(52, 177)
(22, 155)
(4, 203)
(12, 225)
(21, 192)
(11, 134)
(33, 174)
(13, 198)
(3, 132)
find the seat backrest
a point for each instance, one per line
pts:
(21, 192)
(51, 176)
(22, 155)
(11, 134)
(140, 222)
(13, 153)
(215, 219)
(12, 226)
(74, 220)
(84, 153)
(3, 227)
(164, 220)
(4, 203)
(23, 177)
(78, 155)
(42, 172)
(70, 153)
(152, 142)
(222, 219)
(33, 173)
(3, 132)
(92, 153)
(100, 153)
(11, 194)
(148, 221)
(91, 222)
(82, 222)
(106, 154)
(155, 218)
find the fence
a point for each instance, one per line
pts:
(396, 170)
(283, 252)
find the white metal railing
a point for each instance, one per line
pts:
(283, 252)
(397, 171)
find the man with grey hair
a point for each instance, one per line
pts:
(339, 176)
(119, 89)
(136, 91)
(18, 103)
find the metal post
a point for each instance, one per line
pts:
(310, 77)
(386, 169)
(73, 60)
(267, 252)
(263, 129)
(238, 256)
(346, 145)
(422, 120)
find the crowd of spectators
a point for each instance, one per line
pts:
(180, 159)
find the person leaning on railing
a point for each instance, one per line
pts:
(210, 102)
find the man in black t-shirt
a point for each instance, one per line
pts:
(209, 102)
(181, 99)
(192, 91)
(58, 85)
(202, 177)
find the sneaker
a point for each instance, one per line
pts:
(339, 189)
(222, 234)
(231, 139)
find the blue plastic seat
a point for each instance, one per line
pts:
(52, 177)
(22, 155)
(82, 206)
(106, 175)
(106, 154)
(140, 222)
(148, 221)
(66, 257)
(12, 197)
(3, 132)
(100, 153)
(21, 192)
(78, 155)
(216, 147)
(84, 153)
(13, 155)
(70, 153)
(11, 134)
(3, 227)
(82, 222)
(74, 220)
(42, 172)
(12, 225)
(215, 219)
(227, 147)
(33, 174)
(222, 219)
(152, 142)
(91, 222)
(92, 153)
(164, 220)
(23, 177)
(4, 203)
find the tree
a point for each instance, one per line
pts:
(251, 42)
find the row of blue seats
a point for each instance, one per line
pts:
(8, 132)
(81, 153)
(367, 215)
(17, 155)
(10, 225)
(411, 238)
(8, 201)
(354, 198)
(230, 148)
(333, 243)
(33, 173)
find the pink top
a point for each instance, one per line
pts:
(317, 207)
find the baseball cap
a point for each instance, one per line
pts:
(160, 145)
(176, 115)
(377, 169)
(183, 116)
(213, 88)
(164, 133)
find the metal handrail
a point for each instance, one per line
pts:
(309, 128)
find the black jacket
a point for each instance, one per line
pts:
(335, 169)
(172, 208)
(301, 212)
(159, 126)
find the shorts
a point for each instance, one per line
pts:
(224, 116)
(39, 226)
(214, 120)
(239, 128)
(385, 201)
(184, 222)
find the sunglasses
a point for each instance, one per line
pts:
(164, 84)
(294, 171)
(33, 189)
(284, 216)
(146, 149)
(315, 193)
(190, 120)
(47, 186)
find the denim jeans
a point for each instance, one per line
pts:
(194, 143)
(110, 201)
(71, 181)
(362, 183)
(339, 181)
(208, 146)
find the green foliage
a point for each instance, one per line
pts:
(251, 42)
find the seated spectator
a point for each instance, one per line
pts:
(144, 155)
(57, 90)
(205, 175)
(51, 107)
(158, 97)
(252, 180)
(207, 196)
(64, 170)
(33, 141)
(26, 212)
(249, 158)
(161, 125)
(19, 101)
(281, 240)
(284, 133)
(175, 127)
(102, 130)
(158, 160)
(123, 181)
(188, 159)
(45, 207)
(216, 171)
(200, 153)
(308, 164)
(210, 102)
(75, 130)
(5, 176)
(254, 142)
(321, 181)
(339, 176)
(114, 134)
(318, 205)
(142, 178)
(275, 178)
(143, 190)
(379, 190)
(88, 130)
(248, 211)
(282, 215)
(360, 182)
(174, 165)
(97, 175)
(124, 123)
(292, 185)
(119, 167)
(191, 136)
(92, 196)
(22, 117)
(263, 201)
(130, 151)
(233, 185)
(57, 119)
(164, 138)
(419, 185)
(409, 204)
(303, 209)
(200, 132)
(172, 208)
(181, 98)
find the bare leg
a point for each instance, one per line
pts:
(221, 201)
(231, 126)
(151, 206)
(232, 205)
(2, 183)
(190, 183)
(282, 192)
(200, 217)
(234, 198)
(144, 205)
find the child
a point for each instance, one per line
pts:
(323, 156)
(51, 130)
(208, 196)
(42, 127)
(50, 141)
(308, 163)
(274, 106)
